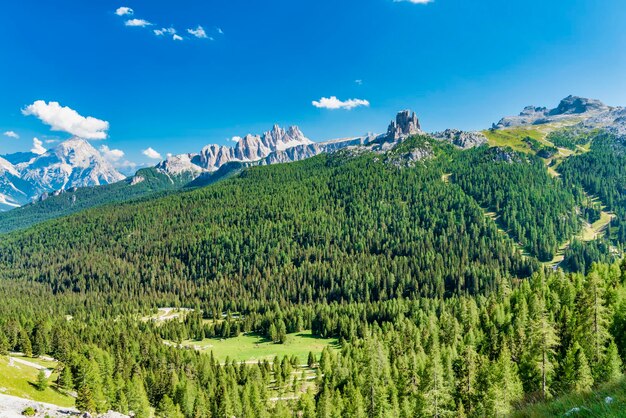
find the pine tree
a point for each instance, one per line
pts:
(612, 364)
(377, 377)
(137, 397)
(507, 383)
(89, 392)
(200, 407)
(40, 340)
(64, 381)
(465, 368)
(437, 393)
(167, 409)
(85, 401)
(4, 343)
(576, 374)
(24, 344)
(42, 380)
(273, 334)
(593, 321)
(306, 406)
(281, 332)
(544, 340)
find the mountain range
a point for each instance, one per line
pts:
(484, 260)
(28, 177)
(60, 174)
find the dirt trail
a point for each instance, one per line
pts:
(46, 370)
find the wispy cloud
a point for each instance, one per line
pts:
(334, 103)
(65, 119)
(151, 153)
(358, 82)
(198, 32)
(414, 1)
(168, 31)
(164, 31)
(112, 155)
(142, 23)
(123, 11)
(37, 147)
(11, 134)
(220, 31)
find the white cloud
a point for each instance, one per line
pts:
(11, 134)
(358, 82)
(37, 147)
(51, 141)
(164, 31)
(67, 120)
(112, 155)
(198, 32)
(138, 23)
(168, 31)
(414, 1)
(151, 153)
(126, 167)
(220, 31)
(123, 11)
(334, 103)
(235, 139)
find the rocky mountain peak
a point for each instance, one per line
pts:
(570, 108)
(406, 124)
(250, 148)
(74, 162)
(572, 105)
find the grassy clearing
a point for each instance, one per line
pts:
(19, 379)
(513, 137)
(166, 314)
(589, 232)
(589, 404)
(254, 347)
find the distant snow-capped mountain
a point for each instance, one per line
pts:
(72, 163)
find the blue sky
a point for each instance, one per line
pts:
(457, 63)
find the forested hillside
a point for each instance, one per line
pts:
(328, 228)
(438, 309)
(457, 356)
(144, 183)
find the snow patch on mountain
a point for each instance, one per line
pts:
(72, 163)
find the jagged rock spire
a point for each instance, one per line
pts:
(406, 124)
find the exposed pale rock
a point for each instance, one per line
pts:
(461, 139)
(406, 124)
